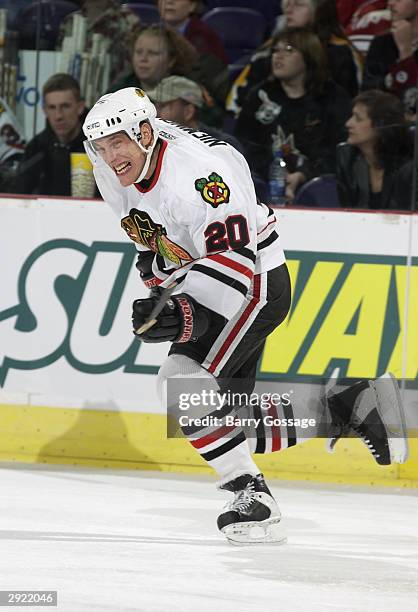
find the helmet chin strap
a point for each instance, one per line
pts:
(148, 155)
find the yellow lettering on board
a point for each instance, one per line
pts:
(366, 286)
(283, 344)
(409, 367)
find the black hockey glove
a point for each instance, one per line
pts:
(181, 319)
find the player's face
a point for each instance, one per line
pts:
(175, 12)
(287, 62)
(298, 13)
(121, 154)
(151, 61)
(359, 126)
(63, 111)
(403, 9)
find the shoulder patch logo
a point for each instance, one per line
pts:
(213, 189)
(139, 92)
(142, 229)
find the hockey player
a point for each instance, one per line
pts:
(188, 202)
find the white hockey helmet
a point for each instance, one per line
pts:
(123, 110)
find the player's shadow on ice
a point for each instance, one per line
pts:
(70, 536)
(98, 438)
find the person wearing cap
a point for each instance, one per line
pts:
(181, 100)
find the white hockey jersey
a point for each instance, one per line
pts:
(200, 215)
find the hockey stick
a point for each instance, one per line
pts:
(152, 317)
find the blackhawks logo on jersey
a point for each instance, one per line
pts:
(141, 229)
(213, 189)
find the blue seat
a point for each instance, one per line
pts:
(52, 13)
(148, 13)
(319, 192)
(241, 30)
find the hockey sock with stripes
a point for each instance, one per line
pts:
(222, 443)
(273, 426)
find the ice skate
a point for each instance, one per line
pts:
(373, 411)
(253, 517)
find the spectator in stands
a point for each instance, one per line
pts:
(158, 52)
(392, 60)
(362, 20)
(115, 22)
(297, 109)
(350, 11)
(183, 16)
(46, 165)
(344, 61)
(346, 9)
(181, 100)
(211, 70)
(375, 167)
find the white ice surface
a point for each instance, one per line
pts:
(144, 542)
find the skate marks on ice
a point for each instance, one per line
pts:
(336, 565)
(148, 542)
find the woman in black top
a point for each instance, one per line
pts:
(296, 109)
(344, 61)
(374, 166)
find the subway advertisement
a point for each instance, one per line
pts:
(68, 280)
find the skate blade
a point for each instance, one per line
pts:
(270, 531)
(390, 400)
